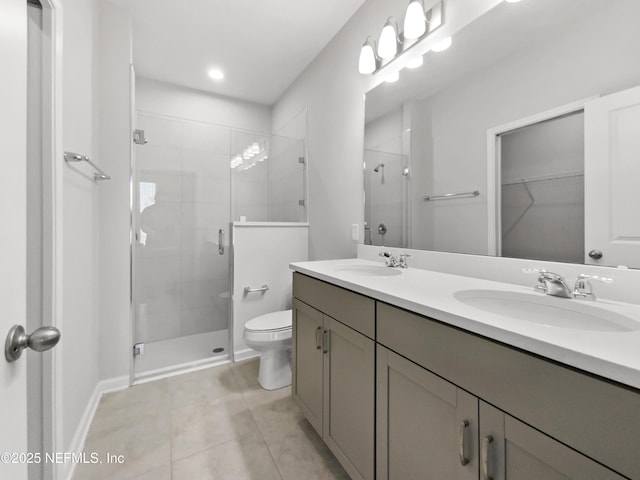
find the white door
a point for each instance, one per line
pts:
(612, 175)
(13, 112)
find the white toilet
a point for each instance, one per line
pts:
(270, 334)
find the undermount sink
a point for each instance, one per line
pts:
(369, 270)
(548, 310)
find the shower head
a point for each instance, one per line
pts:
(377, 169)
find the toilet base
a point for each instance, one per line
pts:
(275, 369)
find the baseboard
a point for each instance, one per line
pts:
(245, 354)
(77, 443)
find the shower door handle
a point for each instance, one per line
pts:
(221, 241)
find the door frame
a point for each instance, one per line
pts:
(52, 287)
(494, 163)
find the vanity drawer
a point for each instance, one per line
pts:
(592, 415)
(352, 309)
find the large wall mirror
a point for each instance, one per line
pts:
(520, 140)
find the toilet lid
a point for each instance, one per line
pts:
(270, 322)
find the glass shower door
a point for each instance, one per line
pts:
(181, 263)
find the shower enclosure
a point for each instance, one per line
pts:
(190, 180)
(386, 195)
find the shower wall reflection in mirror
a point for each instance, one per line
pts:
(536, 106)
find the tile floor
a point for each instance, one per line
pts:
(210, 424)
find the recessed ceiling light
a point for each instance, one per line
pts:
(216, 74)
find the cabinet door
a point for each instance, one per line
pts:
(511, 450)
(349, 376)
(307, 361)
(426, 426)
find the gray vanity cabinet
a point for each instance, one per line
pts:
(333, 360)
(449, 404)
(426, 426)
(349, 376)
(515, 451)
(559, 423)
(307, 362)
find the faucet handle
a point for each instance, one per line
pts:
(584, 276)
(541, 286)
(391, 261)
(403, 259)
(583, 288)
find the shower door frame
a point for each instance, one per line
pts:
(133, 233)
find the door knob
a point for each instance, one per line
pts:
(40, 340)
(595, 254)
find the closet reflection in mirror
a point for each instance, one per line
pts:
(457, 125)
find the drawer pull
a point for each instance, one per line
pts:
(484, 455)
(325, 341)
(462, 454)
(318, 338)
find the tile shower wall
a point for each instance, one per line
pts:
(181, 200)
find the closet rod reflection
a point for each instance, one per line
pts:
(446, 196)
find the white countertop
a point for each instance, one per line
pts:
(612, 355)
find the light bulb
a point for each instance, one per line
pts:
(442, 45)
(392, 77)
(415, 63)
(388, 43)
(414, 20)
(367, 63)
(216, 74)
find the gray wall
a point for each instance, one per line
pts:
(79, 345)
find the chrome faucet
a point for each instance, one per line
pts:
(550, 283)
(553, 284)
(392, 261)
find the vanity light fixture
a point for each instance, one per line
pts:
(368, 58)
(389, 39)
(442, 45)
(393, 44)
(255, 152)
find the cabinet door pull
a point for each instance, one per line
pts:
(462, 455)
(318, 338)
(325, 341)
(484, 455)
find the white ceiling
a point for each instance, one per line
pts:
(262, 46)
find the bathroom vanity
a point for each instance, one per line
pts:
(403, 380)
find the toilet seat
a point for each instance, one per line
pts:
(270, 323)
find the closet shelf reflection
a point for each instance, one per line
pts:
(543, 178)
